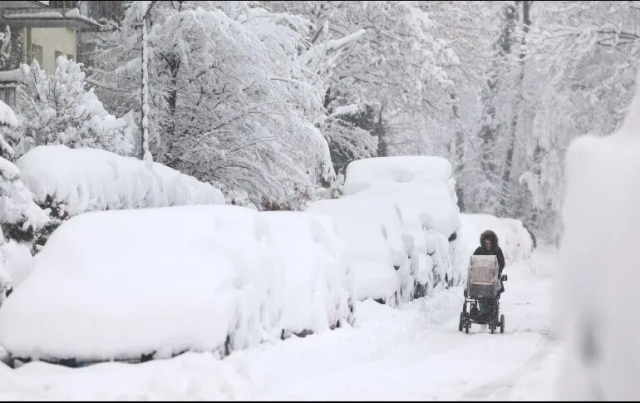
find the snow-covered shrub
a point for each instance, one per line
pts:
(58, 109)
(122, 284)
(375, 246)
(597, 294)
(74, 181)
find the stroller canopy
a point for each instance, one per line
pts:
(483, 276)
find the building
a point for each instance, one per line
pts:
(40, 30)
(98, 11)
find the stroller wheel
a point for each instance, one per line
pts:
(502, 323)
(460, 325)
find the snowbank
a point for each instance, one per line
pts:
(87, 179)
(120, 284)
(514, 240)
(598, 290)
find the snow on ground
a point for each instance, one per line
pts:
(413, 352)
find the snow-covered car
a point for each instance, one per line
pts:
(153, 283)
(374, 245)
(314, 278)
(424, 190)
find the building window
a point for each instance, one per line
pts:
(63, 4)
(36, 53)
(70, 57)
(58, 53)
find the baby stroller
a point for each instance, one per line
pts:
(483, 283)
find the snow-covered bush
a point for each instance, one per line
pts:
(122, 284)
(374, 246)
(597, 294)
(74, 181)
(514, 239)
(58, 109)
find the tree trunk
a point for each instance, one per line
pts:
(526, 20)
(458, 154)
(383, 147)
(144, 93)
(508, 170)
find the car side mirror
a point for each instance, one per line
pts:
(503, 277)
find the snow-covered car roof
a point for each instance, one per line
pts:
(422, 182)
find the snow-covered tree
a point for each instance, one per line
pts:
(59, 109)
(376, 59)
(229, 99)
(5, 47)
(20, 217)
(584, 60)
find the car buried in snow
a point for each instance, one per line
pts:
(424, 189)
(137, 285)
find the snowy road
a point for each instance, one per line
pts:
(415, 352)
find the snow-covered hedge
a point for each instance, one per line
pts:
(598, 297)
(74, 181)
(514, 240)
(121, 284)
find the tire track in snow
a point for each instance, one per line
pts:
(501, 388)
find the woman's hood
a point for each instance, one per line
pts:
(491, 235)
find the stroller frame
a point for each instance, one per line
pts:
(470, 313)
